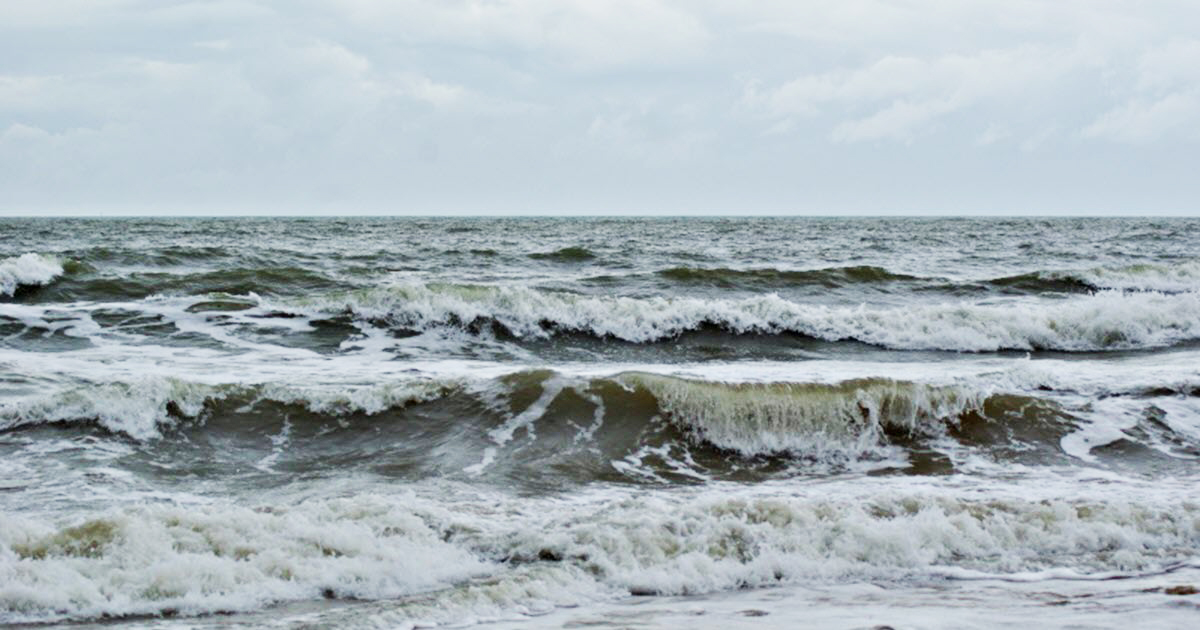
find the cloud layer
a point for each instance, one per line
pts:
(579, 106)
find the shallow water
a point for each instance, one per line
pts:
(548, 422)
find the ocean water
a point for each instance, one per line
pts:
(535, 423)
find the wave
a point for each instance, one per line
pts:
(830, 278)
(27, 270)
(1175, 278)
(648, 426)
(1106, 320)
(565, 255)
(749, 418)
(156, 256)
(641, 425)
(141, 284)
(445, 560)
(807, 418)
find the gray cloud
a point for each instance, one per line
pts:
(576, 106)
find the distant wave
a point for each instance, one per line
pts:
(1177, 278)
(232, 280)
(28, 270)
(831, 277)
(1106, 320)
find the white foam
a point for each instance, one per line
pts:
(671, 544)
(600, 543)
(28, 270)
(140, 408)
(198, 559)
(136, 408)
(1106, 320)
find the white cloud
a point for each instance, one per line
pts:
(1175, 116)
(1171, 65)
(436, 94)
(423, 105)
(896, 97)
(582, 34)
(1162, 103)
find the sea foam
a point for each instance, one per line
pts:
(157, 559)
(195, 559)
(1182, 276)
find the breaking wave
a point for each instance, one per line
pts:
(27, 270)
(765, 418)
(616, 417)
(1106, 320)
(142, 408)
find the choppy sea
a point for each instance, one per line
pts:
(600, 422)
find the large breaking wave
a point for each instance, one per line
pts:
(614, 419)
(1106, 320)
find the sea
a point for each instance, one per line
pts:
(520, 423)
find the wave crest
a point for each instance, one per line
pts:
(142, 408)
(28, 270)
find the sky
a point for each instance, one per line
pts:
(828, 107)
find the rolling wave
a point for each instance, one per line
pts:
(1176, 278)
(620, 414)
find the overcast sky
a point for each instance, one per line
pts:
(600, 106)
